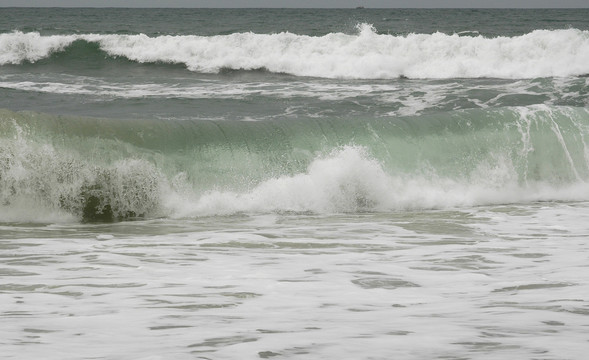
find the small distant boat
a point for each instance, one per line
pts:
(359, 7)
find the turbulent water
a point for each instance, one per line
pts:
(223, 184)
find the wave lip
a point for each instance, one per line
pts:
(365, 55)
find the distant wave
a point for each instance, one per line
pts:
(365, 55)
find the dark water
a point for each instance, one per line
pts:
(314, 22)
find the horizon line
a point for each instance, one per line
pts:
(291, 8)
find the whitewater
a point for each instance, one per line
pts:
(365, 55)
(294, 183)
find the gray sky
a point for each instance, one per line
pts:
(307, 3)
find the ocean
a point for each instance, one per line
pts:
(294, 184)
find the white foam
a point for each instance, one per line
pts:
(369, 55)
(17, 47)
(365, 55)
(350, 180)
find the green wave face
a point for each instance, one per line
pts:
(108, 169)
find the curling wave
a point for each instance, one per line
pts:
(107, 169)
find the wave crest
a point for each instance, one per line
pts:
(365, 55)
(107, 170)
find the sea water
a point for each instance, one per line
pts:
(318, 184)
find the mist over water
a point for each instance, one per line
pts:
(282, 183)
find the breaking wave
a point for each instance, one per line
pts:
(364, 55)
(108, 170)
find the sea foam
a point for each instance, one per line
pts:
(18, 47)
(364, 55)
(350, 180)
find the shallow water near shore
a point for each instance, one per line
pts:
(485, 282)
